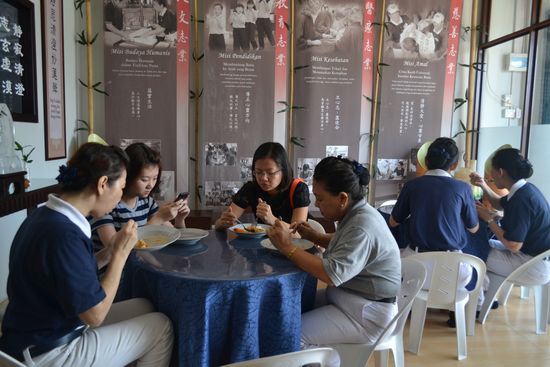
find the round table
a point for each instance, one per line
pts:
(229, 298)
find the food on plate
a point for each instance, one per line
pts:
(141, 244)
(249, 229)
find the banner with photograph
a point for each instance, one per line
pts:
(146, 76)
(417, 81)
(244, 76)
(330, 78)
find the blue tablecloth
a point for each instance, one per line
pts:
(229, 300)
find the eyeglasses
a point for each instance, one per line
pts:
(269, 175)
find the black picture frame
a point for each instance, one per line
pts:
(21, 12)
(53, 71)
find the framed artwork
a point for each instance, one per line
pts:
(18, 59)
(53, 72)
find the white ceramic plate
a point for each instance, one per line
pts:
(190, 236)
(157, 236)
(298, 242)
(237, 229)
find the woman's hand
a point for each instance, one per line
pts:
(124, 240)
(477, 180)
(168, 211)
(226, 220)
(483, 212)
(305, 231)
(263, 211)
(183, 212)
(280, 237)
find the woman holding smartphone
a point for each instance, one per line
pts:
(143, 178)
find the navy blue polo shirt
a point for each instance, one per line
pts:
(52, 279)
(440, 209)
(527, 219)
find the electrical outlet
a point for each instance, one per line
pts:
(509, 113)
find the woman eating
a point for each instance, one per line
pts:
(59, 313)
(272, 194)
(524, 231)
(361, 263)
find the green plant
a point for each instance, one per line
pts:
(25, 155)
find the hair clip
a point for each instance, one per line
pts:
(358, 168)
(66, 174)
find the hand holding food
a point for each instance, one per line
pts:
(476, 179)
(263, 211)
(227, 219)
(125, 239)
(280, 237)
(483, 212)
(305, 230)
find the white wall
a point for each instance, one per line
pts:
(33, 133)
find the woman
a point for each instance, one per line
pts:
(272, 193)
(440, 207)
(143, 178)
(57, 305)
(524, 231)
(361, 262)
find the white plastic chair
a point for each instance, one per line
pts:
(504, 285)
(316, 226)
(413, 275)
(7, 361)
(294, 359)
(387, 203)
(444, 293)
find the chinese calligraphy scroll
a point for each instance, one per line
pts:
(17, 59)
(53, 70)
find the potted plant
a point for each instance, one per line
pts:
(25, 151)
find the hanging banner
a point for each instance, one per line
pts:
(146, 76)
(417, 81)
(330, 78)
(244, 77)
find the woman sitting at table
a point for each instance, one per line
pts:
(144, 172)
(361, 263)
(57, 305)
(272, 193)
(525, 228)
(440, 207)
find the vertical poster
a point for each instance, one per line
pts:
(330, 46)
(146, 75)
(417, 81)
(244, 75)
(54, 75)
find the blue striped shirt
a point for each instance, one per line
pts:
(140, 213)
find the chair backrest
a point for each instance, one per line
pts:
(294, 359)
(524, 267)
(388, 203)
(446, 271)
(413, 275)
(316, 225)
(8, 361)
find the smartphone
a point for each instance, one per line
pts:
(182, 196)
